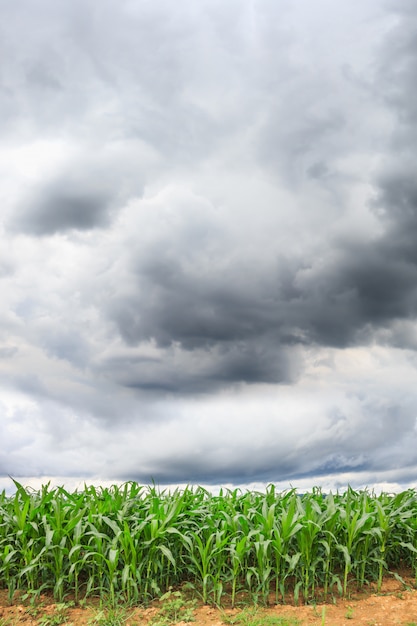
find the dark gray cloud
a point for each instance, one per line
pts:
(80, 192)
(342, 297)
(203, 371)
(243, 319)
(59, 211)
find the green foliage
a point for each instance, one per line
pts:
(7, 621)
(110, 617)
(52, 620)
(133, 544)
(175, 608)
(253, 617)
(58, 617)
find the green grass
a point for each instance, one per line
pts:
(111, 617)
(132, 544)
(7, 621)
(175, 608)
(253, 617)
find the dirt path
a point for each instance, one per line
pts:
(394, 606)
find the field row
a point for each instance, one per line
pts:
(135, 543)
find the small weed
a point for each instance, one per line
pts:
(175, 609)
(255, 617)
(349, 613)
(321, 614)
(52, 620)
(58, 617)
(7, 621)
(34, 611)
(111, 617)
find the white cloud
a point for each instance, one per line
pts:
(207, 263)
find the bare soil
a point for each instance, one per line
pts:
(395, 605)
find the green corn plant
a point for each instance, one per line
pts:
(329, 522)
(352, 521)
(202, 554)
(133, 543)
(238, 549)
(261, 571)
(308, 543)
(285, 529)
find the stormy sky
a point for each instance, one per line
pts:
(208, 242)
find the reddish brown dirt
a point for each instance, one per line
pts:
(396, 605)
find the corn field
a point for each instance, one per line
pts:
(133, 543)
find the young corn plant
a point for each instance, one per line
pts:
(203, 551)
(286, 526)
(353, 522)
(238, 549)
(308, 543)
(328, 542)
(134, 543)
(261, 571)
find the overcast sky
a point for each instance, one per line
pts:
(208, 242)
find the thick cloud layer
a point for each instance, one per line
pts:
(208, 261)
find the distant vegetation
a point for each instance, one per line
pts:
(134, 543)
